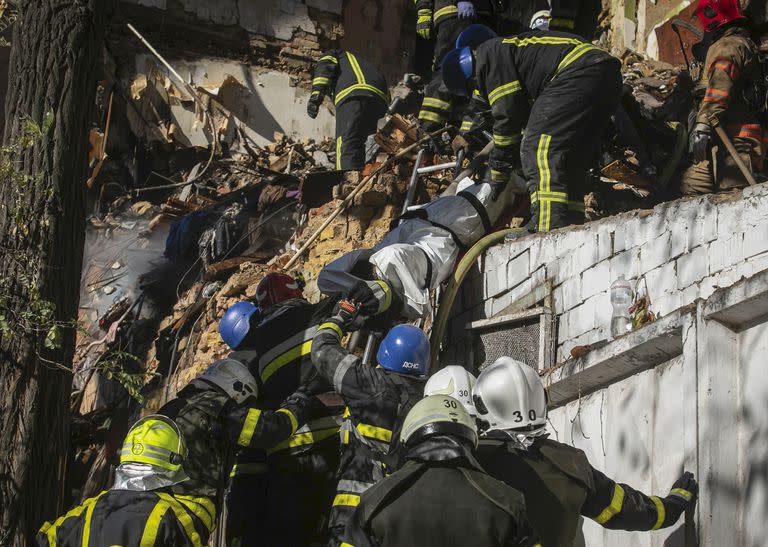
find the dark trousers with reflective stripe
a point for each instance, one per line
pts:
(356, 118)
(562, 140)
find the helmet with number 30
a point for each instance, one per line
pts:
(510, 397)
(454, 381)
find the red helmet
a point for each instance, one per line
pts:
(276, 288)
(714, 14)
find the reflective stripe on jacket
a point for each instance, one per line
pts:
(343, 75)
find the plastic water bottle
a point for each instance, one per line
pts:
(621, 300)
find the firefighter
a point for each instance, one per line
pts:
(360, 93)
(551, 96)
(141, 507)
(217, 415)
(731, 75)
(441, 496)
(557, 480)
(375, 398)
(274, 339)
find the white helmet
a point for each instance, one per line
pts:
(232, 377)
(540, 20)
(509, 396)
(456, 382)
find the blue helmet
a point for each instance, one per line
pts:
(236, 323)
(474, 35)
(458, 69)
(405, 350)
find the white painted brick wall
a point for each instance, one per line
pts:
(682, 250)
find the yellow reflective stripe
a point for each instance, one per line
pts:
(684, 493)
(373, 432)
(184, 518)
(281, 360)
(345, 544)
(248, 469)
(575, 54)
(560, 22)
(249, 426)
(347, 413)
(302, 439)
(502, 90)
(466, 126)
(425, 13)
(88, 516)
(350, 500)
(365, 87)
(314, 93)
(356, 68)
(149, 536)
(338, 154)
(559, 197)
(542, 41)
(435, 103)
(506, 140)
(330, 58)
(660, 512)
(545, 208)
(476, 93)
(294, 422)
(498, 176)
(614, 508)
(387, 294)
(203, 508)
(431, 116)
(447, 10)
(321, 80)
(334, 327)
(49, 529)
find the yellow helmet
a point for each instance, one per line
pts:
(438, 415)
(155, 440)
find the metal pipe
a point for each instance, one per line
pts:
(414, 182)
(459, 162)
(434, 168)
(370, 345)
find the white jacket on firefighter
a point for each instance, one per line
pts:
(420, 253)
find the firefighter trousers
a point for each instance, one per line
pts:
(562, 140)
(356, 118)
(720, 172)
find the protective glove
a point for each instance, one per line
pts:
(683, 494)
(313, 106)
(498, 181)
(371, 297)
(700, 142)
(424, 23)
(466, 10)
(347, 317)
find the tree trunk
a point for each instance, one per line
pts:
(55, 52)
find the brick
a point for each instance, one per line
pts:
(724, 253)
(604, 242)
(495, 282)
(761, 190)
(563, 332)
(560, 270)
(692, 267)
(583, 258)
(679, 240)
(582, 317)
(603, 310)
(596, 279)
(655, 252)
(625, 263)
(661, 281)
(570, 294)
(756, 240)
(542, 252)
(668, 303)
(519, 269)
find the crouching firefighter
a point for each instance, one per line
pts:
(441, 495)
(274, 340)
(360, 93)
(375, 398)
(556, 479)
(559, 90)
(418, 254)
(734, 97)
(141, 508)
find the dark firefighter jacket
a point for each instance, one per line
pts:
(441, 496)
(559, 484)
(127, 518)
(732, 66)
(281, 358)
(375, 399)
(342, 75)
(575, 16)
(443, 10)
(512, 72)
(214, 427)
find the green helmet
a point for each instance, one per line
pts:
(438, 415)
(155, 440)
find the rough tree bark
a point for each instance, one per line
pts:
(55, 51)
